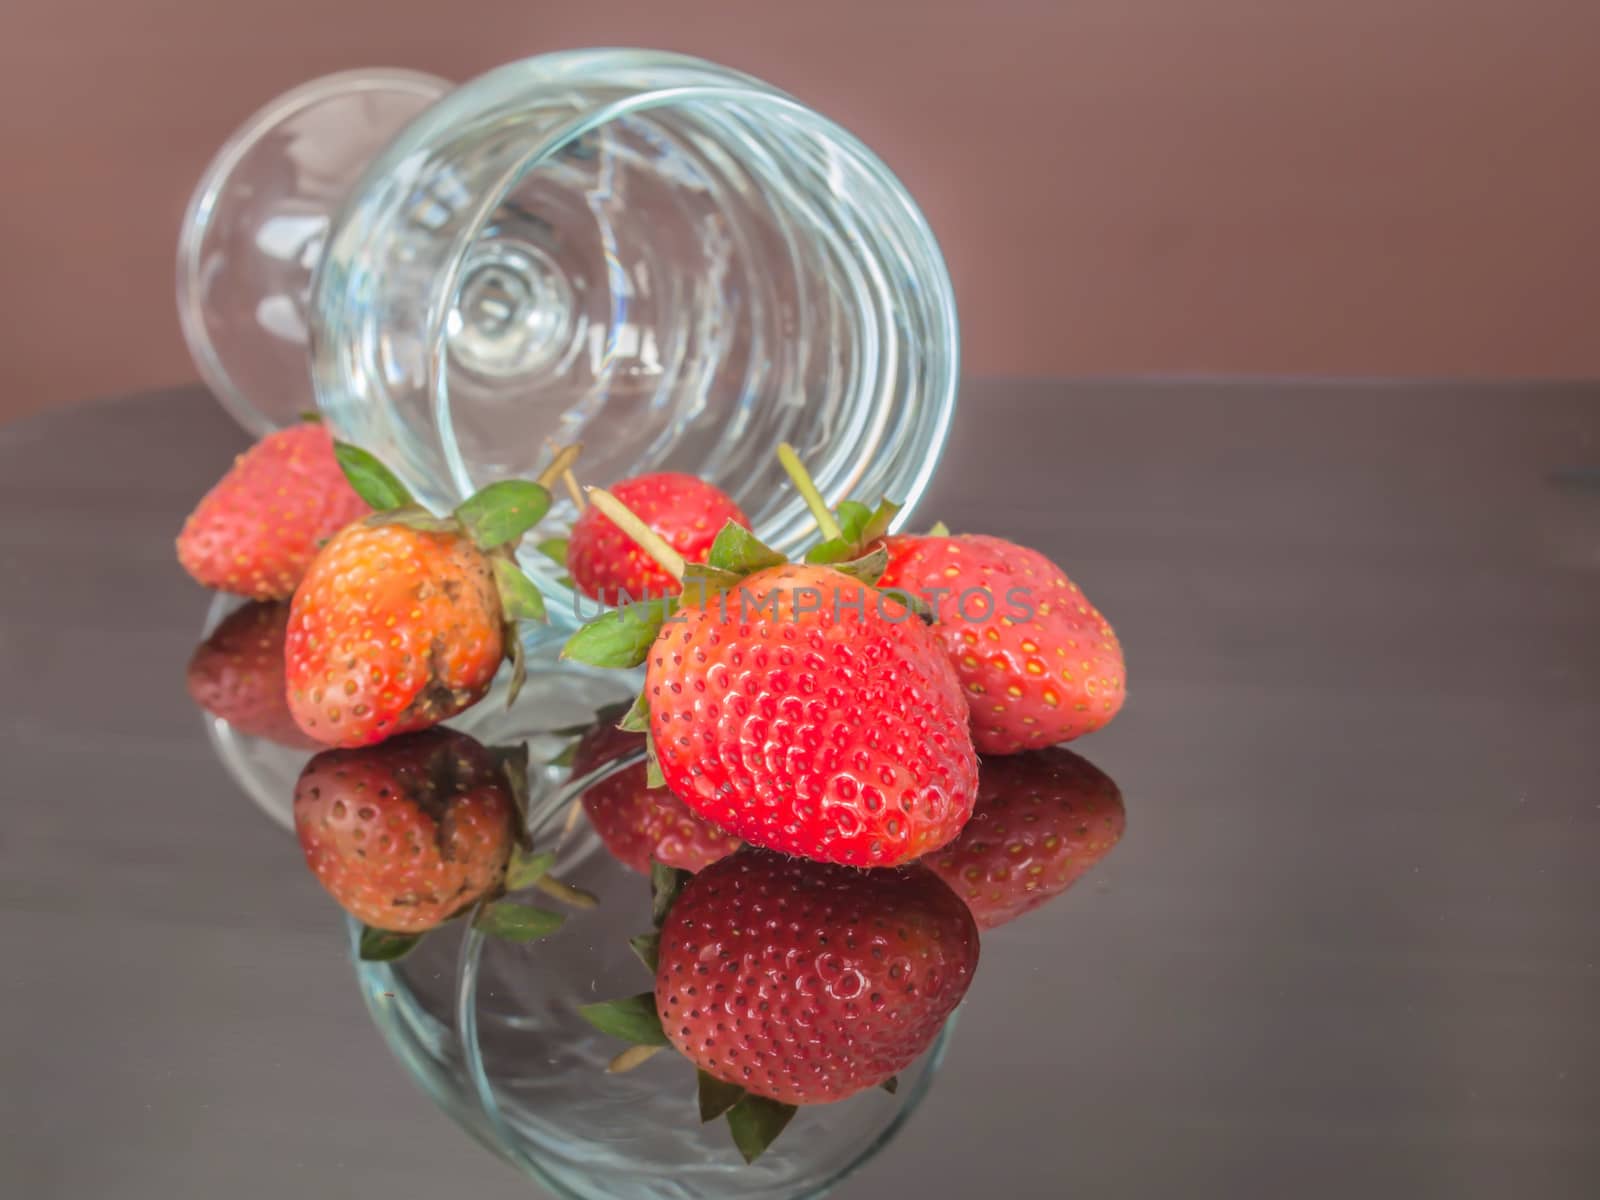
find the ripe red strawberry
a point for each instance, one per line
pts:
(402, 619)
(1041, 821)
(1038, 663)
(255, 531)
(407, 834)
(237, 674)
(606, 563)
(809, 713)
(807, 982)
(638, 823)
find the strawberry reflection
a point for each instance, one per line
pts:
(640, 824)
(236, 674)
(1041, 820)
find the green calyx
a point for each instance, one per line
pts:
(633, 1019)
(756, 1122)
(385, 945)
(849, 532)
(370, 479)
(502, 512)
(513, 922)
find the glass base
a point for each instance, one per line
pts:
(255, 227)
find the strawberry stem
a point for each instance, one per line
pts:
(560, 465)
(647, 539)
(573, 490)
(797, 473)
(567, 477)
(632, 1057)
(565, 892)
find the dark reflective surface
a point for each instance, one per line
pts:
(1347, 946)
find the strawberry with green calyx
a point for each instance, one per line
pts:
(237, 674)
(685, 512)
(1043, 819)
(411, 833)
(850, 987)
(794, 705)
(255, 532)
(402, 619)
(1038, 663)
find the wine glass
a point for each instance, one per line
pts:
(673, 263)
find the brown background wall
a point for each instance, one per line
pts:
(1275, 186)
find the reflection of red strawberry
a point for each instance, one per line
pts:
(687, 512)
(1038, 663)
(807, 982)
(255, 532)
(639, 823)
(406, 834)
(1041, 821)
(237, 674)
(809, 713)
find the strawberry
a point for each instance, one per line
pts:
(257, 529)
(237, 674)
(402, 619)
(607, 565)
(640, 824)
(837, 734)
(1039, 664)
(1041, 821)
(807, 982)
(794, 706)
(407, 834)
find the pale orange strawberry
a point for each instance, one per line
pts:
(403, 619)
(394, 629)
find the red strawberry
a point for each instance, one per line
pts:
(1038, 663)
(407, 834)
(255, 532)
(237, 674)
(809, 713)
(1041, 821)
(807, 982)
(402, 619)
(605, 563)
(640, 824)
